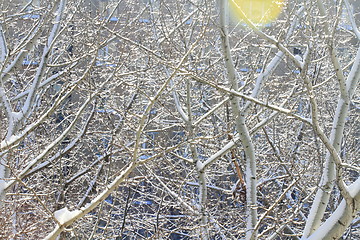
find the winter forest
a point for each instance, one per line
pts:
(187, 119)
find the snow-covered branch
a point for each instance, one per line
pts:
(336, 135)
(350, 15)
(337, 223)
(45, 55)
(15, 139)
(241, 126)
(285, 111)
(3, 47)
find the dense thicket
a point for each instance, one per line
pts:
(173, 120)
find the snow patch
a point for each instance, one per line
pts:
(17, 115)
(354, 188)
(199, 166)
(2, 181)
(86, 206)
(2, 186)
(64, 215)
(9, 140)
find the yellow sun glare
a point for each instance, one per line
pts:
(257, 11)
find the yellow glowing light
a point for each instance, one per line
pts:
(257, 11)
